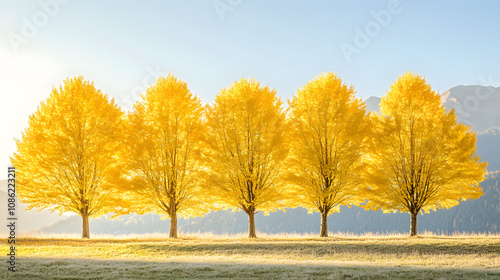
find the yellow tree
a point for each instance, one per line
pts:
(329, 129)
(162, 142)
(422, 159)
(67, 157)
(246, 146)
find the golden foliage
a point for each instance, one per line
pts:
(66, 160)
(246, 146)
(422, 158)
(329, 129)
(177, 157)
(161, 146)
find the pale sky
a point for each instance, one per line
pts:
(124, 46)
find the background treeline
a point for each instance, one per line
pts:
(475, 216)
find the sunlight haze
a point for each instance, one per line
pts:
(124, 46)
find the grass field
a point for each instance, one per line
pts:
(268, 257)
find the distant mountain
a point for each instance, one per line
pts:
(26, 220)
(488, 147)
(477, 106)
(126, 224)
(220, 222)
(373, 104)
(479, 215)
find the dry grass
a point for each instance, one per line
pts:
(284, 256)
(261, 236)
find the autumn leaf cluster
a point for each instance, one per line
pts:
(173, 155)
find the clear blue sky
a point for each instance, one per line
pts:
(123, 46)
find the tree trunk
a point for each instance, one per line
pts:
(173, 225)
(323, 232)
(413, 224)
(85, 225)
(173, 216)
(251, 224)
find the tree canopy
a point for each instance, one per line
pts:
(246, 146)
(163, 141)
(66, 159)
(422, 159)
(176, 157)
(329, 130)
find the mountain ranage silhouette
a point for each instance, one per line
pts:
(477, 106)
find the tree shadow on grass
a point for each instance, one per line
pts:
(317, 249)
(87, 269)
